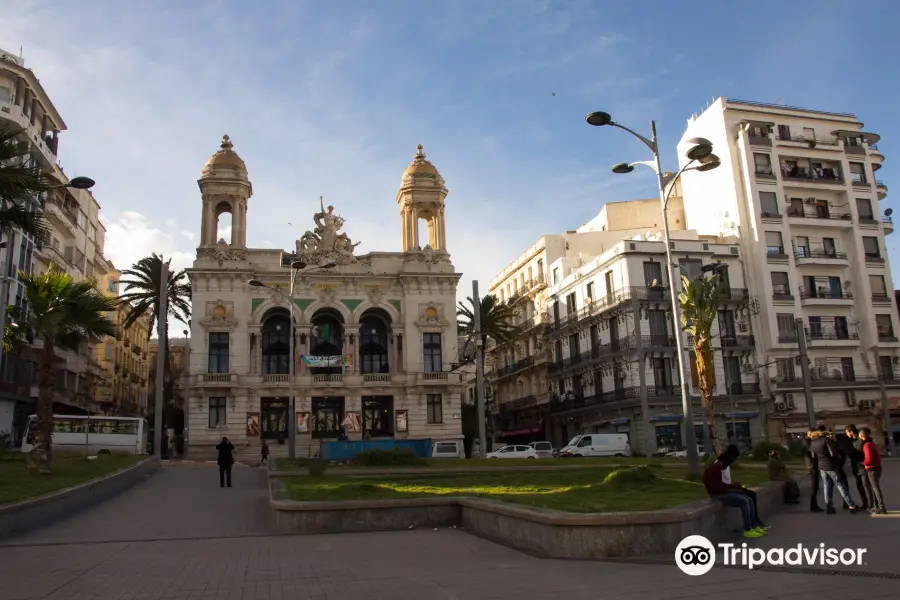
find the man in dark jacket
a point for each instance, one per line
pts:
(852, 447)
(225, 461)
(812, 472)
(731, 495)
(828, 459)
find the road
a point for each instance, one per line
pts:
(178, 535)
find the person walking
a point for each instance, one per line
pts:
(852, 447)
(828, 457)
(225, 461)
(812, 473)
(264, 452)
(872, 465)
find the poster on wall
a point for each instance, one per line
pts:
(352, 422)
(252, 424)
(402, 423)
(303, 422)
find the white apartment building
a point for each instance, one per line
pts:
(521, 387)
(614, 365)
(798, 188)
(75, 245)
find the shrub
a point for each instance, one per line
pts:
(316, 467)
(631, 476)
(398, 457)
(762, 449)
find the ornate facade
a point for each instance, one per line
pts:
(374, 335)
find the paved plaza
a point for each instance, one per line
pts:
(178, 535)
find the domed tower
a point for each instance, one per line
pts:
(421, 196)
(225, 188)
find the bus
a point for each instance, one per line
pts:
(93, 434)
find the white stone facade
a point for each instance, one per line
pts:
(375, 335)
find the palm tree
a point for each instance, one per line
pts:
(62, 313)
(141, 297)
(20, 180)
(496, 323)
(700, 300)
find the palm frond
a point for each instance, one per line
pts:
(142, 285)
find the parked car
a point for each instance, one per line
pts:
(683, 453)
(514, 452)
(543, 449)
(597, 444)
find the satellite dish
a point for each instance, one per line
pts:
(888, 212)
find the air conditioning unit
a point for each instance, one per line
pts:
(866, 404)
(779, 405)
(810, 200)
(743, 327)
(789, 398)
(748, 367)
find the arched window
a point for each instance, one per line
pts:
(374, 349)
(327, 340)
(275, 343)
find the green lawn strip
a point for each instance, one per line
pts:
(69, 470)
(286, 464)
(578, 490)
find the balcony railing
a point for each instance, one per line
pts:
(825, 295)
(874, 259)
(815, 334)
(737, 341)
(803, 253)
(818, 214)
(737, 294)
(518, 365)
(611, 299)
(827, 175)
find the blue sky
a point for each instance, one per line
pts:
(331, 98)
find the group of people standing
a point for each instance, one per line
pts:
(826, 458)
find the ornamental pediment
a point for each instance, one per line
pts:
(431, 314)
(219, 314)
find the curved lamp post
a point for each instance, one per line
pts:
(701, 158)
(296, 267)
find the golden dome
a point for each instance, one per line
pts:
(419, 165)
(225, 159)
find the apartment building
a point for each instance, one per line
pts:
(612, 341)
(518, 371)
(74, 244)
(179, 362)
(799, 188)
(123, 361)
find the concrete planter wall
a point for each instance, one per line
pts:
(549, 533)
(27, 515)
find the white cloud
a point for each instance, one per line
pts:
(133, 236)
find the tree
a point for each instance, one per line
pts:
(20, 180)
(700, 300)
(496, 323)
(62, 313)
(142, 284)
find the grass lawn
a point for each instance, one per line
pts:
(574, 490)
(16, 483)
(285, 464)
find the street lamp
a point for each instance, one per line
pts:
(700, 150)
(296, 266)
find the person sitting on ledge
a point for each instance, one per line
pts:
(731, 495)
(778, 472)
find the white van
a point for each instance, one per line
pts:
(597, 444)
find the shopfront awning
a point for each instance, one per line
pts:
(517, 432)
(747, 414)
(620, 421)
(666, 418)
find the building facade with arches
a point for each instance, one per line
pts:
(374, 335)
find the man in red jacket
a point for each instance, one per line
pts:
(872, 480)
(731, 495)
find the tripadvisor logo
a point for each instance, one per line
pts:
(696, 555)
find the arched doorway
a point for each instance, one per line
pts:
(326, 344)
(374, 342)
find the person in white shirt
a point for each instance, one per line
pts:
(733, 452)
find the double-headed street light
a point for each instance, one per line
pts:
(700, 158)
(296, 267)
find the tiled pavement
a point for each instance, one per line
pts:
(178, 535)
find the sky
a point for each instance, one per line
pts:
(331, 98)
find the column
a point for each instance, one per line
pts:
(395, 354)
(414, 228)
(297, 352)
(304, 340)
(257, 359)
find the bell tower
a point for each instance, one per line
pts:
(224, 188)
(421, 196)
